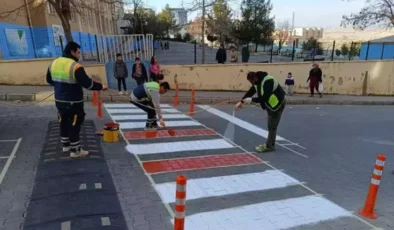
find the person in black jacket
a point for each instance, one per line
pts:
(139, 72)
(68, 77)
(271, 97)
(221, 55)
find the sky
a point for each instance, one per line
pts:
(308, 13)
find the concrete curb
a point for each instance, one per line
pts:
(199, 100)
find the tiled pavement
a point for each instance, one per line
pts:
(227, 188)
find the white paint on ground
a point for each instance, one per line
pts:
(227, 185)
(66, 225)
(9, 160)
(105, 221)
(168, 147)
(272, 215)
(144, 116)
(98, 186)
(129, 105)
(139, 125)
(136, 111)
(82, 186)
(241, 123)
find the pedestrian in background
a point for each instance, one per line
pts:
(139, 73)
(289, 84)
(315, 78)
(121, 73)
(221, 55)
(154, 68)
(68, 77)
(233, 55)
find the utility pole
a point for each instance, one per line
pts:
(203, 33)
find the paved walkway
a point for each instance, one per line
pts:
(36, 93)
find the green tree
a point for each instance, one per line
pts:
(219, 21)
(187, 37)
(167, 20)
(344, 49)
(355, 49)
(256, 24)
(337, 52)
(373, 13)
(311, 44)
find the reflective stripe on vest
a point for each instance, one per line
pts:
(273, 100)
(149, 87)
(62, 70)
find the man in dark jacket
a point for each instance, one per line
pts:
(68, 77)
(271, 97)
(121, 73)
(221, 55)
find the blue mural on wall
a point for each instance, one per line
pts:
(22, 42)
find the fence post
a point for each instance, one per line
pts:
(272, 50)
(97, 48)
(195, 51)
(366, 55)
(180, 203)
(293, 52)
(333, 51)
(61, 44)
(381, 55)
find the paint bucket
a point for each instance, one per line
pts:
(111, 132)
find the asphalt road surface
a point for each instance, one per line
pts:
(317, 179)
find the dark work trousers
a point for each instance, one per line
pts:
(312, 89)
(151, 119)
(122, 81)
(71, 117)
(273, 122)
(153, 77)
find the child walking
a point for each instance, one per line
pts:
(290, 84)
(120, 73)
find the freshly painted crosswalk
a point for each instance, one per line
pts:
(274, 200)
(227, 185)
(129, 105)
(139, 125)
(136, 111)
(143, 117)
(178, 146)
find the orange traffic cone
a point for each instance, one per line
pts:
(99, 109)
(94, 99)
(369, 206)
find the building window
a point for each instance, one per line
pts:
(83, 16)
(51, 9)
(90, 18)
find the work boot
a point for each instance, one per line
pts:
(150, 126)
(264, 148)
(79, 153)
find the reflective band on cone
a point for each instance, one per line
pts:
(180, 203)
(369, 206)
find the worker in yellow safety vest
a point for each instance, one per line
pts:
(147, 97)
(271, 97)
(68, 77)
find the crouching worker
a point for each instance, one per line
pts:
(147, 97)
(271, 97)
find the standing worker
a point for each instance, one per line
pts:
(68, 77)
(271, 97)
(147, 98)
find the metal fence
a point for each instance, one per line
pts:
(179, 53)
(38, 43)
